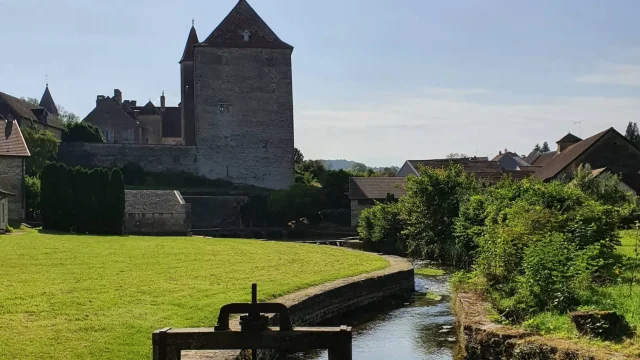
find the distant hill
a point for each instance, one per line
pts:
(342, 164)
(338, 164)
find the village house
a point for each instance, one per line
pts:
(4, 208)
(13, 153)
(43, 116)
(124, 122)
(365, 192)
(156, 212)
(607, 149)
(510, 161)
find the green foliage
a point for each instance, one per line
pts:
(545, 148)
(43, 147)
(75, 199)
(298, 157)
(632, 133)
(315, 169)
(335, 186)
(537, 147)
(8, 229)
(299, 201)
(542, 244)
(340, 217)
(429, 209)
(380, 227)
(32, 197)
(81, 132)
(134, 174)
(604, 188)
(429, 272)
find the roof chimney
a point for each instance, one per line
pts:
(99, 99)
(117, 96)
(162, 101)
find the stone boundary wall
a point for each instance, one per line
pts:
(152, 158)
(482, 339)
(319, 303)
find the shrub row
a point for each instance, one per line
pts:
(82, 201)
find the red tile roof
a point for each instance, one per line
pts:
(11, 140)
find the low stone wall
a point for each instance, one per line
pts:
(152, 158)
(312, 306)
(482, 339)
(216, 212)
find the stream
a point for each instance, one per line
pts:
(418, 329)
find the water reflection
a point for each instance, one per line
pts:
(422, 329)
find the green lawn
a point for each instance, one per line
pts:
(429, 272)
(91, 297)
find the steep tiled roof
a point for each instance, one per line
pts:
(510, 161)
(561, 160)
(153, 202)
(11, 140)
(243, 18)
(172, 122)
(18, 107)
(109, 110)
(542, 159)
(376, 187)
(48, 103)
(192, 40)
(149, 109)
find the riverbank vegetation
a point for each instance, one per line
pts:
(534, 250)
(101, 297)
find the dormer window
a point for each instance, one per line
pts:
(246, 34)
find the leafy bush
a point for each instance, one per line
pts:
(429, 209)
(134, 174)
(81, 132)
(32, 197)
(381, 226)
(541, 245)
(299, 201)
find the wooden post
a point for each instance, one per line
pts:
(162, 351)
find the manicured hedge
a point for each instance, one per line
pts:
(82, 201)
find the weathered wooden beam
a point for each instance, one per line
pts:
(337, 340)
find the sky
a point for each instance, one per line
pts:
(376, 81)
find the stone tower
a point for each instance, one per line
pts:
(187, 88)
(244, 102)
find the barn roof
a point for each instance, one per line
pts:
(362, 188)
(11, 140)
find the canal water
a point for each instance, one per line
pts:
(419, 329)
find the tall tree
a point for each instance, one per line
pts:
(42, 145)
(537, 147)
(359, 167)
(545, 148)
(298, 157)
(633, 134)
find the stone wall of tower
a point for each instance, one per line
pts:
(187, 107)
(244, 115)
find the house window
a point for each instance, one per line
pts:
(246, 34)
(108, 135)
(127, 135)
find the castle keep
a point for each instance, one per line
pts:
(235, 119)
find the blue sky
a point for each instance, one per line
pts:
(377, 81)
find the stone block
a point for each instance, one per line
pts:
(605, 325)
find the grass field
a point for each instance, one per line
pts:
(91, 297)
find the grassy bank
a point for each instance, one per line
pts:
(93, 297)
(619, 297)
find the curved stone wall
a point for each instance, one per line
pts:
(316, 304)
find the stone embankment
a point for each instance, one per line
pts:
(481, 339)
(311, 306)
